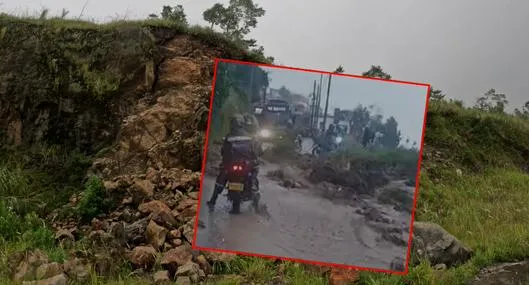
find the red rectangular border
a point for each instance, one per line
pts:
(416, 192)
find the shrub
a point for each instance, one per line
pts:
(92, 202)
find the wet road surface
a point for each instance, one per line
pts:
(297, 224)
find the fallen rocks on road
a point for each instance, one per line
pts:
(433, 243)
(287, 177)
(512, 273)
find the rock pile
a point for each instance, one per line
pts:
(433, 243)
(152, 224)
(35, 268)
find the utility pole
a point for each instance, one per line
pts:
(313, 105)
(327, 103)
(319, 102)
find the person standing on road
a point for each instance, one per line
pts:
(367, 137)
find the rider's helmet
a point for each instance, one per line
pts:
(250, 123)
(331, 128)
(236, 123)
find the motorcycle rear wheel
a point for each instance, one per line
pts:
(235, 200)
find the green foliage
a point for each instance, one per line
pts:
(236, 20)
(492, 102)
(436, 94)
(48, 59)
(263, 271)
(175, 14)
(40, 178)
(376, 72)
(215, 15)
(524, 112)
(92, 202)
(235, 89)
(29, 228)
(476, 140)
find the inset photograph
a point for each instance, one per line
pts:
(311, 166)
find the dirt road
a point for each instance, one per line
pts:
(299, 225)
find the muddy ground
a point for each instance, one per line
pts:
(305, 223)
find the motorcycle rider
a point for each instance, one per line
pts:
(238, 127)
(299, 141)
(330, 135)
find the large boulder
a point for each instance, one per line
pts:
(143, 256)
(27, 268)
(156, 234)
(431, 242)
(176, 257)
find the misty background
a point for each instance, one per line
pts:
(405, 102)
(461, 47)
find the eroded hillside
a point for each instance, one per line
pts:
(129, 103)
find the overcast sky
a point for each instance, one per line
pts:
(462, 47)
(405, 102)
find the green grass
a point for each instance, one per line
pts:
(51, 58)
(486, 212)
(39, 177)
(477, 140)
(262, 270)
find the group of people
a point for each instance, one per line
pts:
(371, 138)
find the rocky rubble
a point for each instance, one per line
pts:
(287, 177)
(433, 243)
(512, 273)
(35, 268)
(361, 178)
(152, 224)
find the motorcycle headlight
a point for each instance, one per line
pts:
(265, 133)
(339, 139)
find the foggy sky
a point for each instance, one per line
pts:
(462, 47)
(403, 101)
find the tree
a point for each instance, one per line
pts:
(175, 14)
(392, 135)
(436, 94)
(492, 101)
(358, 119)
(236, 20)
(339, 69)
(260, 51)
(215, 14)
(524, 112)
(284, 92)
(376, 72)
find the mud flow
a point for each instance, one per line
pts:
(300, 219)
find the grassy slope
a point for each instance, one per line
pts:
(484, 208)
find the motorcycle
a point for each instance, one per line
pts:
(240, 185)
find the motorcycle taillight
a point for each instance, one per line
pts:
(237, 167)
